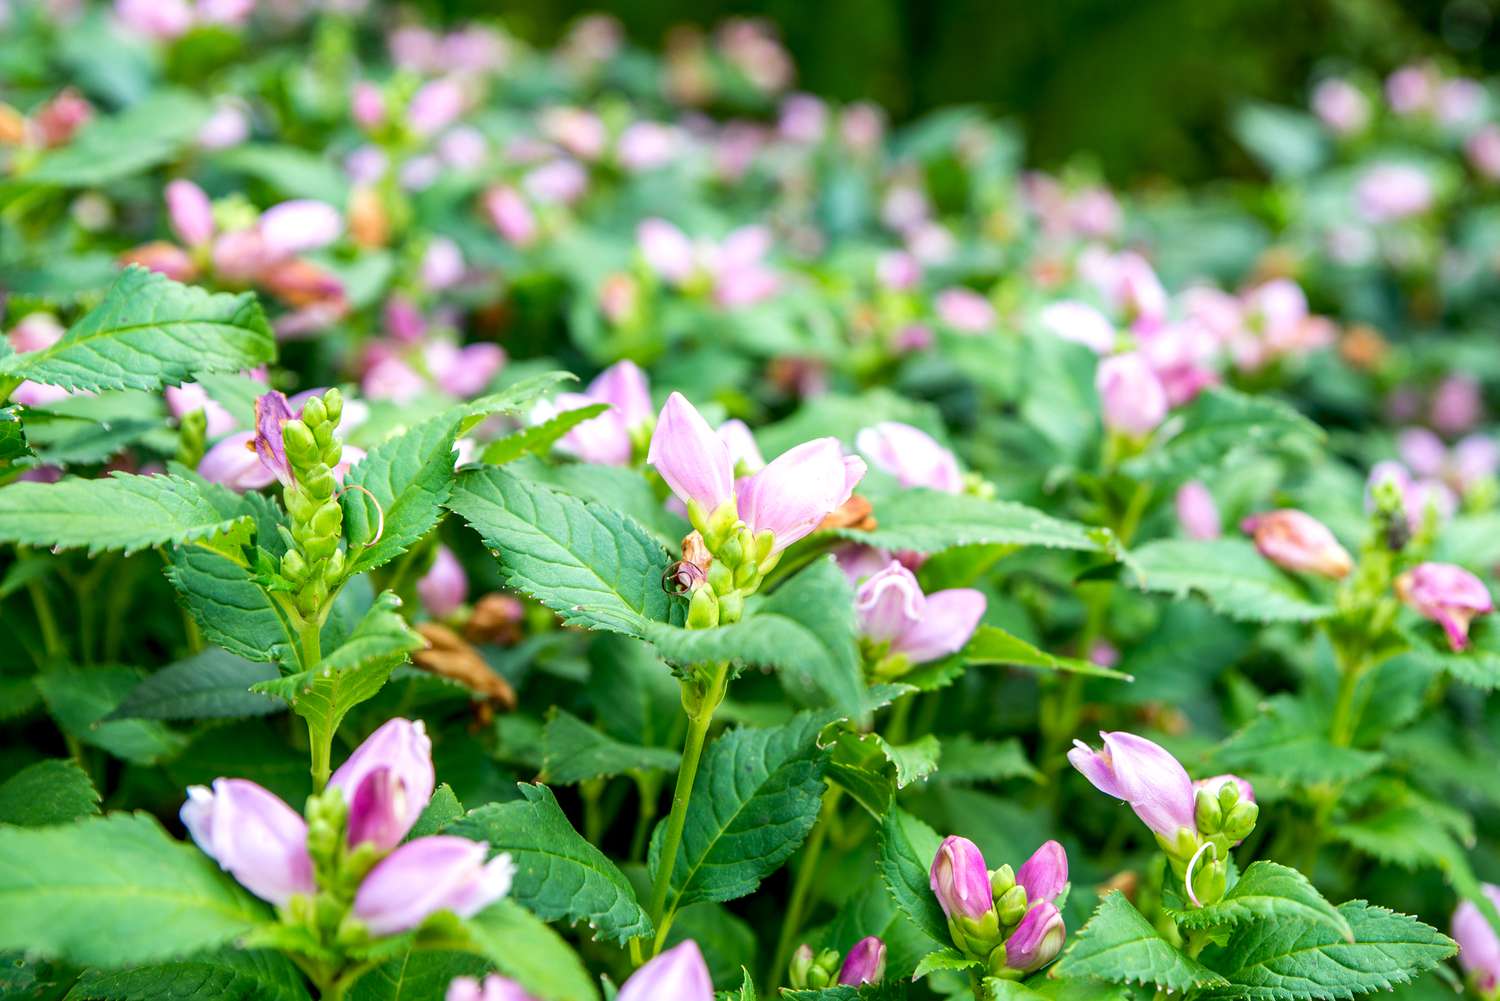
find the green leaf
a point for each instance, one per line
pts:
(1295, 961)
(944, 960)
(1235, 579)
(124, 511)
(968, 760)
(293, 172)
(81, 699)
(575, 752)
(352, 673)
(872, 911)
(993, 645)
(226, 975)
(1287, 142)
(1218, 426)
(231, 609)
(441, 810)
(151, 332)
(113, 891)
(1120, 946)
(558, 874)
(530, 953)
(907, 848)
(408, 477)
(538, 438)
(420, 975)
(805, 630)
(615, 487)
(53, 791)
(148, 133)
(1479, 665)
(757, 795)
(872, 769)
(929, 521)
(13, 443)
(634, 694)
(1287, 741)
(594, 567)
(215, 684)
(1268, 892)
(887, 990)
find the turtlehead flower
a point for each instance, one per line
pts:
(234, 463)
(679, 973)
(892, 609)
(1298, 542)
(693, 460)
(865, 963)
(1007, 920)
(911, 455)
(422, 877)
(1448, 595)
(1131, 396)
(298, 226)
(494, 988)
(792, 495)
(444, 588)
(1457, 404)
(1045, 875)
(190, 397)
(1389, 192)
(960, 880)
(387, 782)
(743, 450)
(1341, 106)
(1037, 939)
(271, 412)
(1196, 511)
(511, 216)
(435, 106)
(254, 837)
(1144, 775)
(1478, 945)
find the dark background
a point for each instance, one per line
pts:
(1143, 87)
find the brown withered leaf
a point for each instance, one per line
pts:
(449, 655)
(496, 619)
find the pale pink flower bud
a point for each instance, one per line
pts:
(164, 258)
(1341, 106)
(743, 450)
(240, 256)
(367, 104)
(422, 877)
(1475, 458)
(1144, 775)
(233, 463)
(1298, 542)
(1458, 404)
(693, 460)
(862, 127)
(298, 226)
(798, 489)
(679, 973)
(560, 182)
(624, 386)
(1483, 149)
(463, 148)
(228, 126)
(898, 271)
(959, 879)
(1423, 452)
(387, 782)
(185, 399)
(965, 310)
(391, 378)
(1448, 595)
(467, 371)
(1196, 511)
(667, 250)
(442, 264)
(1478, 945)
(229, 13)
(864, 964)
(38, 394)
(1391, 191)
(1045, 875)
(911, 455)
(435, 106)
(580, 132)
(191, 213)
(1411, 89)
(603, 440)
(1214, 784)
(891, 608)
(1037, 939)
(804, 119)
(1131, 396)
(253, 835)
(444, 588)
(1080, 323)
(511, 216)
(647, 145)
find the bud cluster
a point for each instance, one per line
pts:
(314, 563)
(1005, 919)
(734, 561)
(865, 964)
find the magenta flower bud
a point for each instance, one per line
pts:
(624, 387)
(1080, 323)
(1196, 511)
(494, 988)
(667, 250)
(1131, 396)
(511, 216)
(367, 104)
(191, 213)
(1298, 542)
(1448, 595)
(271, 412)
(1214, 784)
(743, 451)
(911, 455)
(693, 460)
(435, 106)
(965, 310)
(1037, 939)
(1478, 945)
(189, 397)
(680, 973)
(444, 588)
(422, 877)
(442, 265)
(387, 782)
(233, 463)
(298, 226)
(891, 608)
(798, 489)
(254, 837)
(959, 879)
(1144, 775)
(865, 963)
(1045, 874)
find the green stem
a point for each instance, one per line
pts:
(320, 745)
(646, 785)
(802, 887)
(700, 718)
(51, 637)
(1344, 722)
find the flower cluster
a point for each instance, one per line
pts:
(1003, 918)
(679, 973)
(863, 964)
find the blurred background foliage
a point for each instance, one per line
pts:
(1143, 88)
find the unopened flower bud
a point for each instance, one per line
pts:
(1448, 595)
(1011, 906)
(253, 835)
(387, 782)
(445, 586)
(959, 879)
(679, 973)
(1298, 542)
(1001, 880)
(703, 609)
(428, 875)
(1037, 939)
(865, 963)
(1143, 774)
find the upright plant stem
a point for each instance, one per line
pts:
(701, 707)
(320, 745)
(802, 886)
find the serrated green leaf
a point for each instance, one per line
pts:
(1479, 665)
(872, 769)
(142, 136)
(1218, 426)
(575, 752)
(805, 630)
(616, 487)
(1287, 741)
(538, 438)
(886, 990)
(944, 960)
(727, 941)
(80, 699)
(757, 795)
(13, 444)
(929, 521)
(907, 848)
(441, 810)
(1235, 579)
(294, 172)
(1298, 961)
(226, 975)
(151, 332)
(214, 684)
(1268, 892)
(993, 645)
(395, 494)
(115, 890)
(634, 694)
(872, 911)
(420, 975)
(593, 566)
(1119, 945)
(1405, 834)
(968, 760)
(530, 953)
(124, 511)
(231, 609)
(54, 791)
(559, 875)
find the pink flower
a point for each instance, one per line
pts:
(1298, 542)
(743, 450)
(678, 973)
(443, 588)
(465, 371)
(647, 146)
(1080, 323)
(35, 332)
(435, 106)
(391, 378)
(1458, 404)
(898, 271)
(1391, 191)
(693, 460)
(387, 782)
(1144, 775)
(624, 387)
(1196, 511)
(228, 126)
(442, 264)
(965, 310)
(271, 412)
(1341, 106)
(1483, 149)
(254, 837)
(234, 463)
(911, 455)
(191, 213)
(511, 216)
(1411, 89)
(160, 19)
(367, 104)
(1037, 939)
(891, 608)
(494, 988)
(580, 132)
(1448, 595)
(1130, 394)
(960, 880)
(1045, 875)
(298, 226)
(864, 964)
(1478, 945)
(1214, 784)
(189, 397)
(667, 250)
(422, 877)
(803, 119)
(792, 495)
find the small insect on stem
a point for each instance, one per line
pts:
(682, 577)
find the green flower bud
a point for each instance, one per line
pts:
(746, 575)
(328, 520)
(1001, 880)
(333, 402)
(731, 607)
(1012, 906)
(1207, 813)
(1241, 821)
(703, 609)
(314, 412)
(301, 448)
(1229, 795)
(731, 552)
